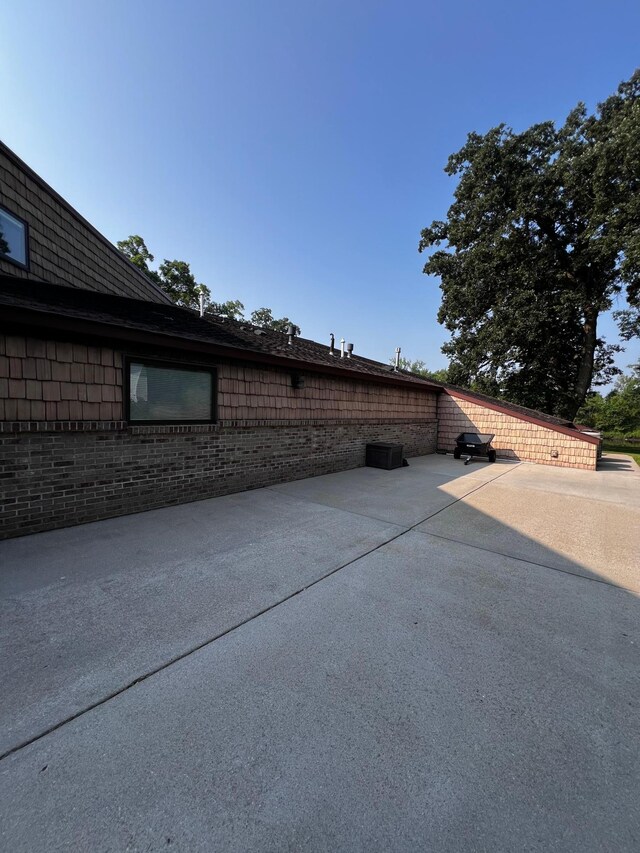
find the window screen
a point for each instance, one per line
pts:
(13, 238)
(169, 394)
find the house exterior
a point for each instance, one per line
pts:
(113, 400)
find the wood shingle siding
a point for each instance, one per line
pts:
(63, 247)
(515, 436)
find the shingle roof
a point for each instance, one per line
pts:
(183, 323)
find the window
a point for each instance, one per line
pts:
(13, 239)
(168, 393)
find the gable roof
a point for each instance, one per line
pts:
(53, 306)
(46, 213)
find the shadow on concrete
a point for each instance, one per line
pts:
(280, 670)
(616, 463)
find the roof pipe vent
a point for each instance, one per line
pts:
(291, 331)
(397, 364)
(349, 350)
(202, 303)
(332, 349)
(342, 343)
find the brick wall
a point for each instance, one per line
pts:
(63, 247)
(58, 479)
(514, 438)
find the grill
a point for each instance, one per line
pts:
(469, 444)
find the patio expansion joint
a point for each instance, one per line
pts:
(471, 491)
(176, 658)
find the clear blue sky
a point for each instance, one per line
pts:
(292, 150)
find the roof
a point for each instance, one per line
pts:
(55, 306)
(121, 259)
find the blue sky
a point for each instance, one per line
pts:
(292, 150)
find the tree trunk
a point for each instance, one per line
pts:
(585, 368)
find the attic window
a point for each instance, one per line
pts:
(166, 393)
(13, 239)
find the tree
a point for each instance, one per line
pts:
(619, 411)
(179, 283)
(264, 318)
(233, 309)
(542, 235)
(134, 248)
(420, 369)
(174, 277)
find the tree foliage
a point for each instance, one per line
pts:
(542, 235)
(233, 309)
(420, 369)
(174, 277)
(179, 283)
(619, 411)
(264, 318)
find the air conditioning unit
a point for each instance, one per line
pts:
(381, 454)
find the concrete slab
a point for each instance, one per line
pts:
(429, 697)
(403, 496)
(445, 465)
(595, 538)
(616, 481)
(86, 610)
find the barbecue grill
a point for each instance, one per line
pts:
(470, 444)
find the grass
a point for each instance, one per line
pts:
(619, 446)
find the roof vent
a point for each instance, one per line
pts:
(332, 349)
(397, 364)
(342, 343)
(291, 332)
(349, 350)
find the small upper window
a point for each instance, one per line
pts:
(13, 239)
(167, 393)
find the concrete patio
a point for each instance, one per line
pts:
(436, 658)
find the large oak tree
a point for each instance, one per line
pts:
(543, 234)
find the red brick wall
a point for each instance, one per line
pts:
(59, 479)
(515, 438)
(63, 247)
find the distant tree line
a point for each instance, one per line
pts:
(617, 413)
(178, 282)
(420, 369)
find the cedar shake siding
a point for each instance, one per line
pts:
(517, 436)
(67, 456)
(63, 247)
